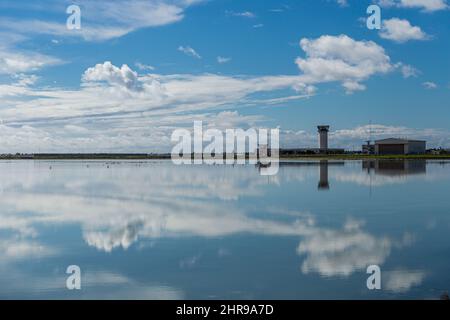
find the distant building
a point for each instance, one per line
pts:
(368, 148)
(322, 149)
(394, 146)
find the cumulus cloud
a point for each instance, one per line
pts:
(342, 59)
(189, 51)
(113, 75)
(408, 71)
(400, 30)
(425, 5)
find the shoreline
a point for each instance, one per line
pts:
(168, 157)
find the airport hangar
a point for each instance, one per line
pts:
(399, 146)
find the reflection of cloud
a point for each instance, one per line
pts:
(342, 252)
(190, 262)
(153, 200)
(123, 237)
(12, 250)
(125, 202)
(101, 284)
(364, 179)
(402, 280)
(383, 177)
(117, 286)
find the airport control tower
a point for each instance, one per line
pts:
(323, 137)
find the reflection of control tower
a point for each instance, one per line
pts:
(323, 137)
(323, 173)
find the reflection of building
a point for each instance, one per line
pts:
(323, 174)
(399, 146)
(323, 137)
(395, 167)
(323, 169)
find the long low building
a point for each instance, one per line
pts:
(396, 146)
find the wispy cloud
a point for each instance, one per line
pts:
(222, 60)
(425, 5)
(244, 14)
(14, 61)
(144, 67)
(189, 51)
(430, 85)
(102, 19)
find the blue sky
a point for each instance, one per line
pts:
(138, 69)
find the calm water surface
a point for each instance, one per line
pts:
(152, 230)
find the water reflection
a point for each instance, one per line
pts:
(323, 182)
(395, 167)
(129, 209)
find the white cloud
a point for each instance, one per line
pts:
(25, 80)
(401, 281)
(122, 111)
(222, 60)
(342, 59)
(401, 31)
(189, 51)
(429, 85)
(117, 110)
(113, 75)
(102, 19)
(408, 71)
(144, 67)
(425, 5)
(342, 3)
(245, 14)
(14, 61)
